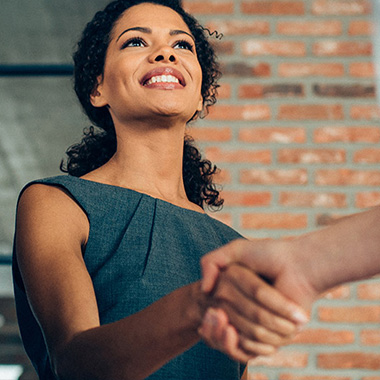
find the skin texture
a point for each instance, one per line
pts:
(52, 230)
(301, 268)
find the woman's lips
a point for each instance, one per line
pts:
(163, 77)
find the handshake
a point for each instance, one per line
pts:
(260, 292)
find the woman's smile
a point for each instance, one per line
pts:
(164, 78)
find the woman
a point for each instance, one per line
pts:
(106, 263)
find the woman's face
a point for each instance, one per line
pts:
(151, 67)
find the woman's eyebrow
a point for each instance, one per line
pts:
(138, 28)
(175, 32)
(149, 31)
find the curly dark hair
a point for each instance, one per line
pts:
(98, 144)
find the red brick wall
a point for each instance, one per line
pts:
(296, 133)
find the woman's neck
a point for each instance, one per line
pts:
(147, 160)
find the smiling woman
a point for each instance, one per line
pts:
(106, 259)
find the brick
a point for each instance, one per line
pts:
(287, 359)
(286, 221)
(273, 8)
(367, 155)
(255, 47)
(309, 28)
(311, 156)
(342, 48)
(369, 291)
(367, 199)
(339, 292)
(224, 91)
(344, 177)
(253, 156)
(252, 91)
(325, 336)
(273, 177)
(345, 91)
(236, 112)
(370, 337)
(310, 112)
(211, 134)
(239, 27)
(357, 360)
(368, 112)
(362, 69)
(223, 217)
(222, 177)
(242, 69)
(341, 7)
(356, 314)
(323, 220)
(310, 69)
(307, 199)
(224, 47)
(257, 376)
(284, 135)
(209, 7)
(347, 134)
(361, 28)
(247, 198)
(311, 377)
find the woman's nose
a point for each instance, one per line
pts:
(163, 57)
(165, 54)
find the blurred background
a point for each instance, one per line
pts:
(296, 134)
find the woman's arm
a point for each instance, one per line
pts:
(50, 235)
(51, 231)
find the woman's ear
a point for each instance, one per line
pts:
(200, 104)
(97, 97)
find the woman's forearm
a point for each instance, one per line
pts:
(138, 345)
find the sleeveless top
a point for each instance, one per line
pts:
(139, 249)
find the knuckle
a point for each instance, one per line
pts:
(252, 313)
(261, 316)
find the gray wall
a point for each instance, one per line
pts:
(39, 116)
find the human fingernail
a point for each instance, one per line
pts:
(300, 317)
(211, 317)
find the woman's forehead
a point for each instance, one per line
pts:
(151, 16)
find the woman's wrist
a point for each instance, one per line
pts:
(196, 305)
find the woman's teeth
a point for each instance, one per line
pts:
(162, 78)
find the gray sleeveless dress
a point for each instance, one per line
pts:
(139, 249)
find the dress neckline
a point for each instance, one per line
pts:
(121, 188)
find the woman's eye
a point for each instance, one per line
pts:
(184, 45)
(133, 42)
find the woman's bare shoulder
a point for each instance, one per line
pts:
(50, 208)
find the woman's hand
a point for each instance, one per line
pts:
(248, 317)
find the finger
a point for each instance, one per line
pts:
(258, 291)
(218, 334)
(232, 348)
(255, 348)
(255, 331)
(247, 295)
(213, 327)
(213, 262)
(236, 304)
